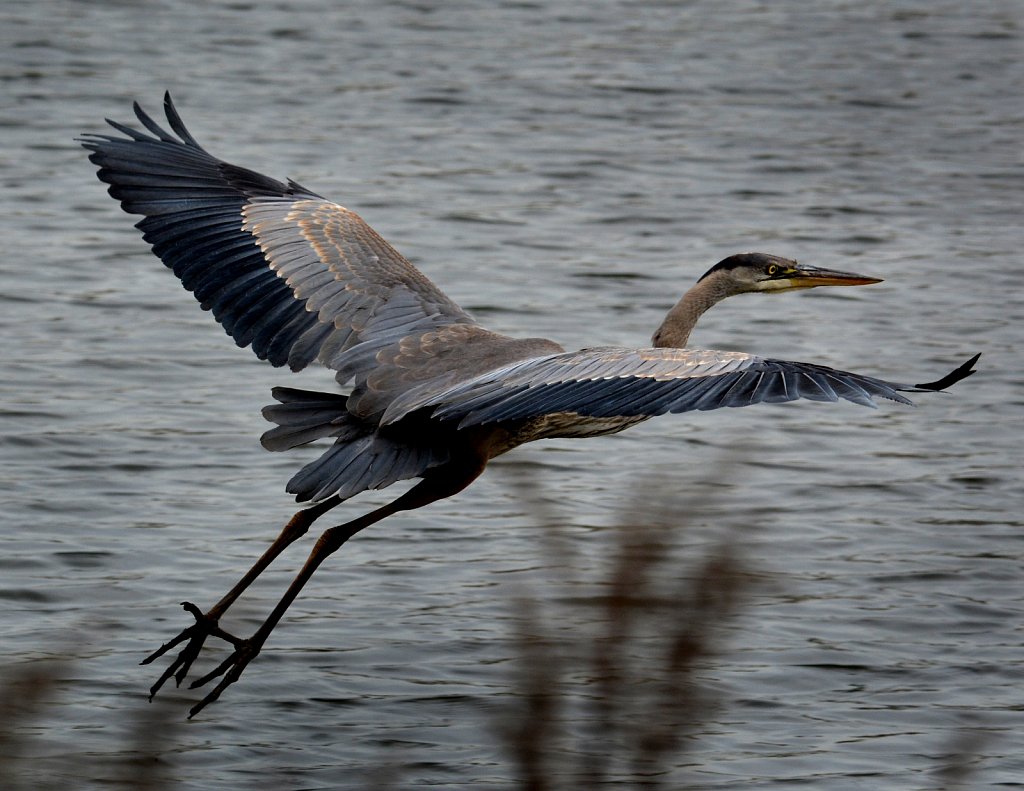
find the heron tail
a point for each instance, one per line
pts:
(304, 416)
(360, 457)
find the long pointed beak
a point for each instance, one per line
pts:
(812, 276)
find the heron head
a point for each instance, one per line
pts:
(763, 273)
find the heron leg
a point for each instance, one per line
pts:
(439, 483)
(207, 624)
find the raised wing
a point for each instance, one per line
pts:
(284, 270)
(616, 382)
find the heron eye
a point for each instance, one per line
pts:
(772, 270)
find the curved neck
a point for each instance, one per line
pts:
(675, 330)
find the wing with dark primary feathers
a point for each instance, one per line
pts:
(284, 270)
(616, 382)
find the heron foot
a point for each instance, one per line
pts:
(231, 669)
(196, 634)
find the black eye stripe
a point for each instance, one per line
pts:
(754, 261)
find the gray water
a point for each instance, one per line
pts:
(562, 169)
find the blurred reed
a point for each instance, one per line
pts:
(609, 683)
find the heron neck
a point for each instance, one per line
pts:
(675, 330)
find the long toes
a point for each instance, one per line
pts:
(185, 659)
(185, 635)
(196, 635)
(160, 681)
(180, 666)
(217, 671)
(234, 669)
(231, 668)
(214, 694)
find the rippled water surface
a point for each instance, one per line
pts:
(561, 169)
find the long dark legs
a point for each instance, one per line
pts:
(207, 623)
(437, 484)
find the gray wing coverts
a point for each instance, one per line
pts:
(283, 270)
(604, 383)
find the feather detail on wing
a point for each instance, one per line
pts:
(610, 382)
(283, 270)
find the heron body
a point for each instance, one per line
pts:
(428, 392)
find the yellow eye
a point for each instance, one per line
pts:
(772, 270)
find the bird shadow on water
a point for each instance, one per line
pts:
(615, 642)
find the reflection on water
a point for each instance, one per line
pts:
(560, 171)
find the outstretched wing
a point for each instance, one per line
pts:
(616, 382)
(284, 270)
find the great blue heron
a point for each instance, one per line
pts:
(433, 395)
